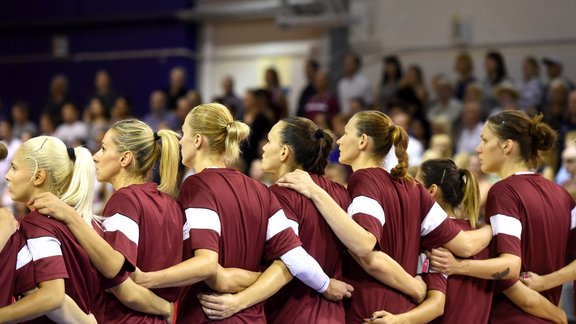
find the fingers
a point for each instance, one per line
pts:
(212, 314)
(381, 313)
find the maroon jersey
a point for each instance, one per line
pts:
(17, 275)
(398, 213)
(468, 299)
(296, 302)
(530, 218)
(57, 255)
(238, 217)
(145, 225)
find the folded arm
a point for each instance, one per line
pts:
(48, 297)
(534, 304)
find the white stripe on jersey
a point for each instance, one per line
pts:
(436, 215)
(24, 257)
(502, 224)
(43, 247)
(573, 220)
(294, 225)
(369, 206)
(277, 223)
(186, 231)
(203, 218)
(124, 224)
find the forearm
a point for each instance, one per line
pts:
(382, 267)
(431, 308)
(470, 243)
(272, 279)
(534, 304)
(70, 312)
(141, 299)
(351, 234)
(304, 267)
(560, 277)
(203, 265)
(505, 266)
(108, 261)
(48, 297)
(231, 280)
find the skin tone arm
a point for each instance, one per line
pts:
(141, 299)
(359, 241)
(534, 304)
(231, 280)
(431, 307)
(551, 280)
(470, 243)
(8, 226)
(48, 297)
(203, 265)
(382, 267)
(70, 312)
(505, 266)
(108, 261)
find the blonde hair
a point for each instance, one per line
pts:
(224, 134)
(71, 181)
(135, 136)
(380, 127)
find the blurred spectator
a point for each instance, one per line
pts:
(121, 110)
(415, 148)
(389, 82)
(554, 70)
(57, 98)
(159, 113)
(555, 112)
(279, 104)
(21, 120)
(255, 116)
(12, 143)
(357, 104)
(469, 135)
(440, 148)
(312, 67)
(484, 183)
(194, 98)
(569, 123)
(97, 120)
(338, 173)
(229, 98)
(507, 97)
(532, 90)
(47, 127)
(176, 87)
(183, 107)
(353, 84)
(569, 163)
(72, 131)
(464, 67)
(414, 80)
(103, 90)
(445, 104)
(322, 106)
(496, 73)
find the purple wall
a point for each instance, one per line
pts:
(91, 27)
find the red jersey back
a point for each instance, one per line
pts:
(240, 219)
(531, 218)
(296, 302)
(398, 213)
(17, 275)
(146, 226)
(57, 255)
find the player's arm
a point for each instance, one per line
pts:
(8, 225)
(231, 280)
(431, 308)
(534, 304)
(48, 297)
(141, 299)
(382, 267)
(469, 243)
(551, 280)
(70, 312)
(198, 268)
(104, 257)
(505, 266)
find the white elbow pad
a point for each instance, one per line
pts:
(306, 269)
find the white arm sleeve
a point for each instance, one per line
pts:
(304, 267)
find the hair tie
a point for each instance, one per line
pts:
(71, 153)
(156, 137)
(229, 125)
(319, 134)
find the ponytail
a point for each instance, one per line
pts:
(400, 140)
(236, 133)
(169, 160)
(471, 200)
(79, 193)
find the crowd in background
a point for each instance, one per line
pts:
(443, 121)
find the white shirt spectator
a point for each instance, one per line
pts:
(72, 134)
(469, 139)
(352, 87)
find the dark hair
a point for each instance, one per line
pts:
(458, 186)
(533, 61)
(311, 145)
(394, 60)
(357, 59)
(382, 130)
(501, 72)
(532, 135)
(313, 63)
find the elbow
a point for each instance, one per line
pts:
(53, 301)
(109, 273)
(466, 250)
(210, 269)
(365, 248)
